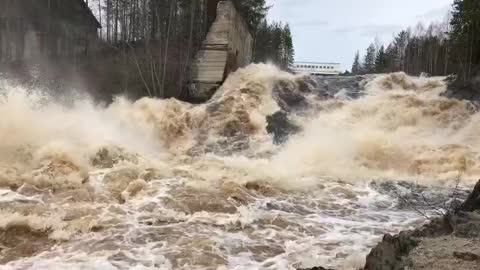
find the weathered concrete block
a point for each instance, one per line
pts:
(228, 46)
(202, 91)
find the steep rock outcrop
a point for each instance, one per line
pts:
(395, 252)
(280, 127)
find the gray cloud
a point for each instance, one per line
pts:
(380, 29)
(344, 30)
(435, 13)
(370, 30)
(301, 23)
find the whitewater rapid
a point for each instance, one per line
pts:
(163, 184)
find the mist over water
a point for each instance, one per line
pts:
(162, 184)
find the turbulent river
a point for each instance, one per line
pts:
(162, 184)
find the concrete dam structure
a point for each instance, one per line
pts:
(33, 31)
(227, 47)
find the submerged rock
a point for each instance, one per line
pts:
(467, 256)
(472, 202)
(390, 254)
(18, 241)
(328, 87)
(288, 95)
(281, 127)
(316, 268)
(464, 91)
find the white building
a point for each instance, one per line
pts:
(315, 68)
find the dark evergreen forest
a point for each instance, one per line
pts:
(441, 49)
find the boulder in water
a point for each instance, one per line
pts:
(464, 91)
(316, 268)
(390, 254)
(280, 127)
(18, 241)
(472, 202)
(288, 96)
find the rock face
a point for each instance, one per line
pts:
(291, 97)
(351, 86)
(469, 91)
(280, 127)
(391, 252)
(316, 268)
(19, 241)
(472, 202)
(449, 242)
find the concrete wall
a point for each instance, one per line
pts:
(32, 31)
(228, 46)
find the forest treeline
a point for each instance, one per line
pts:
(441, 49)
(150, 44)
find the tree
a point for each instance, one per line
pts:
(465, 37)
(151, 43)
(369, 62)
(254, 11)
(356, 68)
(380, 61)
(273, 43)
(426, 50)
(288, 49)
(400, 43)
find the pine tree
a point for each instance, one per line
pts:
(400, 42)
(369, 62)
(254, 11)
(439, 49)
(466, 37)
(273, 43)
(380, 61)
(288, 50)
(389, 57)
(356, 68)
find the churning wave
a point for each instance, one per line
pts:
(276, 171)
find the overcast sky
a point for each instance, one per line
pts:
(333, 30)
